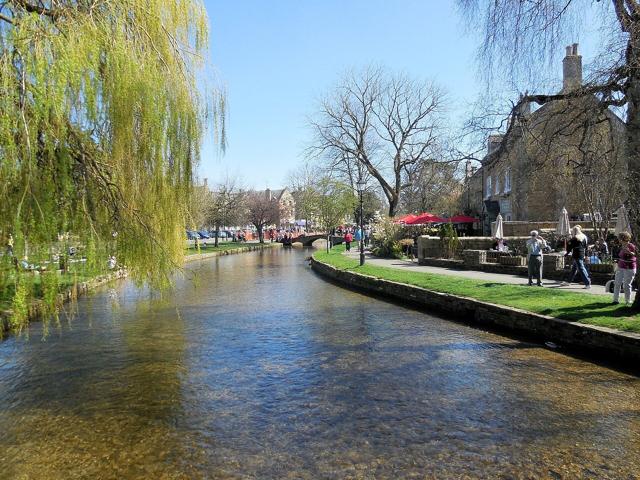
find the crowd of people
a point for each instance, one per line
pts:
(622, 252)
(355, 234)
(283, 234)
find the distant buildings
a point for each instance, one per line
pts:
(567, 153)
(286, 206)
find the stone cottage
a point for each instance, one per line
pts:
(566, 153)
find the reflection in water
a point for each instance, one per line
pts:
(262, 370)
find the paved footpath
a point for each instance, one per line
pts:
(490, 277)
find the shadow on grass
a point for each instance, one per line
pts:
(590, 310)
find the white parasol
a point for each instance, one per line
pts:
(563, 229)
(496, 231)
(622, 223)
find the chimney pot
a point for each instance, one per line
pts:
(572, 69)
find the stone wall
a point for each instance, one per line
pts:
(431, 247)
(219, 253)
(600, 341)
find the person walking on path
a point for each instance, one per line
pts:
(626, 268)
(577, 248)
(367, 236)
(358, 236)
(535, 245)
(348, 238)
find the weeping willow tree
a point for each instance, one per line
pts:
(101, 118)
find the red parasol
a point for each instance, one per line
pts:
(405, 218)
(463, 219)
(425, 218)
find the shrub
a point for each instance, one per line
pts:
(386, 239)
(449, 239)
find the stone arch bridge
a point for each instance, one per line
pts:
(307, 240)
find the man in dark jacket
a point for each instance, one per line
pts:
(577, 248)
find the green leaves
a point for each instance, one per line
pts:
(101, 122)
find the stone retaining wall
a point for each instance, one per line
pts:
(220, 253)
(604, 342)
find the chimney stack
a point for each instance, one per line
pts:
(493, 143)
(571, 69)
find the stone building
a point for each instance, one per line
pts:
(286, 206)
(566, 153)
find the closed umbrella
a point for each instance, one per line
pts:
(564, 228)
(622, 223)
(496, 231)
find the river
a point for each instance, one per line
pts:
(255, 367)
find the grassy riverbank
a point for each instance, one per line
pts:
(223, 247)
(580, 307)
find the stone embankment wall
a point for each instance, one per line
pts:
(604, 342)
(220, 253)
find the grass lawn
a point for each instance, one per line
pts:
(580, 307)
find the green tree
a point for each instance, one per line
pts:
(101, 121)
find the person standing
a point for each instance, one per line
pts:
(348, 238)
(626, 268)
(577, 247)
(367, 236)
(535, 245)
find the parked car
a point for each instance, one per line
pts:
(219, 234)
(203, 234)
(192, 235)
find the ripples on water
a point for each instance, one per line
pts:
(260, 369)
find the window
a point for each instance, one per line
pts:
(488, 191)
(507, 180)
(498, 192)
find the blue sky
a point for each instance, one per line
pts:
(277, 57)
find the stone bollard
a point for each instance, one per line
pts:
(552, 262)
(473, 258)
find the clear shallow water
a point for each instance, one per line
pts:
(256, 368)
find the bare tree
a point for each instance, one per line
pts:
(384, 123)
(519, 34)
(433, 189)
(302, 181)
(261, 210)
(199, 205)
(227, 204)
